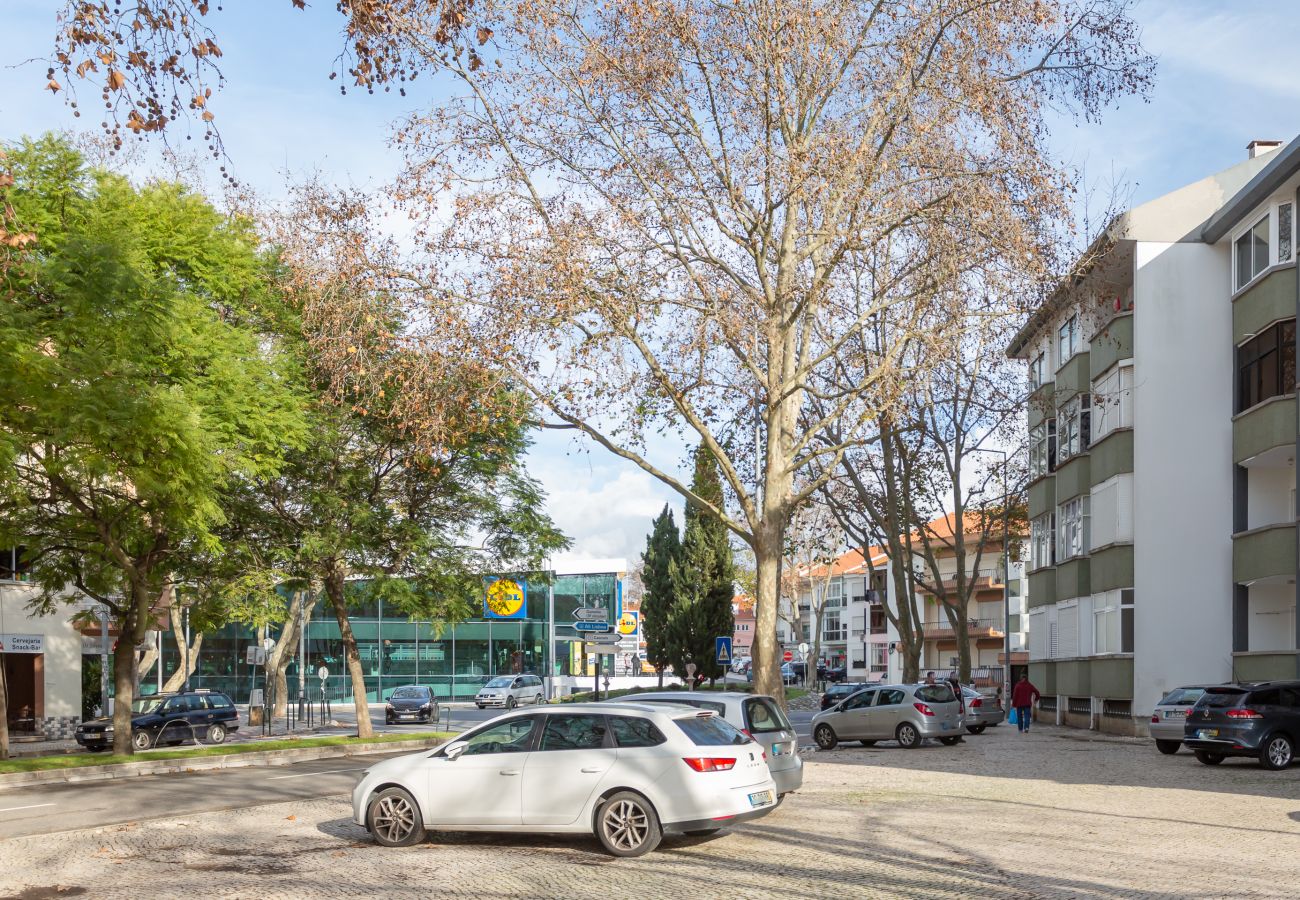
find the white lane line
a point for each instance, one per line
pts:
(33, 806)
(303, 775)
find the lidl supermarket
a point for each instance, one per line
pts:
(524, 626)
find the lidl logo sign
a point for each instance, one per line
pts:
(628, 622)
(504, 598)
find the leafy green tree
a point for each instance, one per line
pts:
(663, 547)
(139, 385)
(703, 578)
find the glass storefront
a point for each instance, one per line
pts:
(396, 651)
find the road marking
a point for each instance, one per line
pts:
(33, 806)
(303, 775)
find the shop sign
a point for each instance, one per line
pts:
(504, 598)
(22, 643)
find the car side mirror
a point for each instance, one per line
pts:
(455, 749)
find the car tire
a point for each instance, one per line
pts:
(394, 819)
(825, 737)
(701, 832)
(867, 743)
(510, 703)
(1277, 752)
(1168, 748)
(627, 825)
(950, 741)
(479, 705)
(976, 729)
(216, 733)
(1209, 759)
(907, 736)
(538, 700)
(140, 740)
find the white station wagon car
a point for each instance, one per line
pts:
(626, 772)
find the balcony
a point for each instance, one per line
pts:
(986, 578)
(976, 628)
(1267, 552)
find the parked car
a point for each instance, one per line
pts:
(1259, 719)
(837, 674)
(758, 716)
(788, 675)
(837, 692)
(799, 667)
(170, 719)
(907, 713)
(980, 711)
(510, 691)
(625, 771)
(411, 703)
(1169, 716)
(740, 664)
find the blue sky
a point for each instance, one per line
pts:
(1224, 79)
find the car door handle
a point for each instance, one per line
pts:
(593, 770)
(509, 771)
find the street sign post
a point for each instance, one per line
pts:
(787, 655)
(803, 650)
(591, 626)
(322, 673)
(603, 639)
(591, 614)
(722, 650)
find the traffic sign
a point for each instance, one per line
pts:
(803, 650)
(787, 655)
(722, 650)
(591, 626)
(591, 614)
(322, 673)
(607, 638)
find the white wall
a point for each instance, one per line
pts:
(1271, 619)
(1268, 495)
(62, 646)
(1182, 485)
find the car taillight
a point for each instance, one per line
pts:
(923, 709)
(1242, 713)
(1155, 717)
(709, 763)
(976, 702)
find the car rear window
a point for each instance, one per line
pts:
(1217, 698)
(709, 731)
(935, 693)
(219, 701)
(762, 715)
(1182, 697)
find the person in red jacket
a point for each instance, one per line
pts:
(1023, 697)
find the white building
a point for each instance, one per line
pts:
(1163, 425)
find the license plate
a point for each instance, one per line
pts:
(1175, 714)
(1207, 733)
(781, 749)
(946, 726)
(761, 798)
(407, 716)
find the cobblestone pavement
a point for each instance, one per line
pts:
(1001, 816)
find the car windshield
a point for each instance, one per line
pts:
(710, 731)
(1182, 697)
(146, 705)
(410, 693)
(502, 682)
(935, 693)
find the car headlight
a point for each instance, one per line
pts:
(388, 707)
(426, 707)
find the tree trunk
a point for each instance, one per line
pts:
(277, 661)
(4, 711)
(123, 690)
(144, 664)
(765, 655)
(334, 589)
(189, 656)
(660, 670)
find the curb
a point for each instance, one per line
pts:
(206, 763)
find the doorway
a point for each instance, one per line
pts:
(24, 677)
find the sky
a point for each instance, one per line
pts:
(1222, 81)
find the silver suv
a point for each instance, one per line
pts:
(907, 713)
(758, 715)
(510, 691)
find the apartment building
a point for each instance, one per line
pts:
(1162, 422)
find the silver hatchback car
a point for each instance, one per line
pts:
(1169, 715)
(907, 713)
(758, 715)
(509, 691)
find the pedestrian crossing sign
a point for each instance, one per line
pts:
(722, 649)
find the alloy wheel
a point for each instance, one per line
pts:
(394, 818)
(626, 825)
(1279, 752)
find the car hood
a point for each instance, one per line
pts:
(102, 720)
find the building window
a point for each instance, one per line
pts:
(1072, 521)
(833, 629)
(1041, 545)
(879, 658)
(1037, 371)
(835, 594)
(1069, 339)
(12, 565)
(1113, 622)
(1284, 230)
(1074, 427)
(1042, 448)
(1112, 402)
(879, 623)
(1250, 251)
(1266, 365)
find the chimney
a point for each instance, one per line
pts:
(1259, 148)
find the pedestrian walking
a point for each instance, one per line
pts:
(929, 678)
(1023, 697)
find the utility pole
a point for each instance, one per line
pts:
(302, 654)
(1006, 583)
(186, 653)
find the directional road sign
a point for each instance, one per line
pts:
(608, 638)
(722, 650)
(591, 626)
(591, 613)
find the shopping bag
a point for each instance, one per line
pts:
(1012, 718)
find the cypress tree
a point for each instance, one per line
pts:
(663, 546)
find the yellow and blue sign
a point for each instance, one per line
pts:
(505, 598)
(629, 622)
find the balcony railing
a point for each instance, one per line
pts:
(974, 627)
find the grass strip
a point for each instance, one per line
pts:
(78, 760)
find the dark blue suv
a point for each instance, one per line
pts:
(1257, 719)
(202, 716)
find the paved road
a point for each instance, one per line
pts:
(44, 809)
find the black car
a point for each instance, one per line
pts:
(799, 668)
(1259, 719)
(837, 692)
(839, 673)
(200, 715)
(411, 703)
